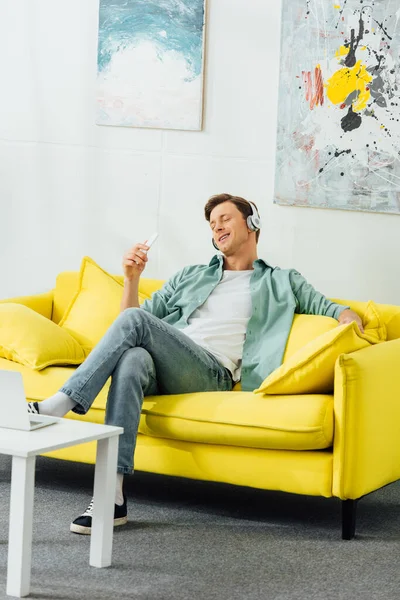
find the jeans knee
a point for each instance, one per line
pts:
(129, 319)
(135, 360)
(132, 313)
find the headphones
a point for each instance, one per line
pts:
(253, 221)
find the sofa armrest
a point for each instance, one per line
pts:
(366, 451)
(40, 303)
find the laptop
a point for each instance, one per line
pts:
(13, 406)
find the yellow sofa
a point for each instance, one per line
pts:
(343, 445)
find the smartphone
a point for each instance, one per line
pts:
(149, 243)
(151, 240)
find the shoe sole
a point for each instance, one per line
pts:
(88, 530)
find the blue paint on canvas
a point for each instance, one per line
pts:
(125, 23)
(150, 63)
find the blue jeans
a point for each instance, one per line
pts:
(143, 356)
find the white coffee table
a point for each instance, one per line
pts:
(24, 447)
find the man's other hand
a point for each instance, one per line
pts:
(347, 316)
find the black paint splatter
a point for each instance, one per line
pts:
(337, 153)
(340, 13)
(340, 152)
(383, 29)
(353, 44)
(379, 58)
(351, 121)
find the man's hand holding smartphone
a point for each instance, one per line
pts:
(134, 261)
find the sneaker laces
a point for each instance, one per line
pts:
(89, 511)
(32, 408)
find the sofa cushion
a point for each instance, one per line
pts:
(65, 289)
(40, 303)
(311, 369)
(228, 418)
(95, 306)
(28, 338)
(39, 385)
(306, 328)
(67, 284)
(241, 419)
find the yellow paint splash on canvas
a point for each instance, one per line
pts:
(346, 81)
(342, 51)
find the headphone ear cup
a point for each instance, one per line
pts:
(250, 223)
(253, 220)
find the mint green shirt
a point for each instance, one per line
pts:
(276, 294)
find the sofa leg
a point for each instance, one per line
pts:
(349, 509)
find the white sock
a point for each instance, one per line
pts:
(119, 496)
(57, 405)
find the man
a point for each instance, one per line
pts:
(209, 326)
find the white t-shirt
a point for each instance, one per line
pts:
(219, 325)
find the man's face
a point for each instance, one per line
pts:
(229, 228)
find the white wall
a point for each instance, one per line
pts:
(70, 188)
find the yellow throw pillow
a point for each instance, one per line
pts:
(29, 338)
(311, 369)
(95, 306)
(306, 328)
(374, 327)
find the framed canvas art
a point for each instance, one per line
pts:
(150, 63)
(338, 143)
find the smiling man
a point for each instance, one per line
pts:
(209, 326)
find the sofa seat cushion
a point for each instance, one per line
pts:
(39, 385)
(228, 418)
(241, 419)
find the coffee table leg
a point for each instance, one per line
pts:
(105, 479)
(20, 527)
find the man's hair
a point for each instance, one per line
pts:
(240, 203)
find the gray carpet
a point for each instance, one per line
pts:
(189, 540)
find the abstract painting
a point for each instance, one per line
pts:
(150, 63)
(338, 142)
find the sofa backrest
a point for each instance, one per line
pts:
(67, 285)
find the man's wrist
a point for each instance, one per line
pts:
(131, 280)
(342, 312)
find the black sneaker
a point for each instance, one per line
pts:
(83, 524)
(33, 408)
